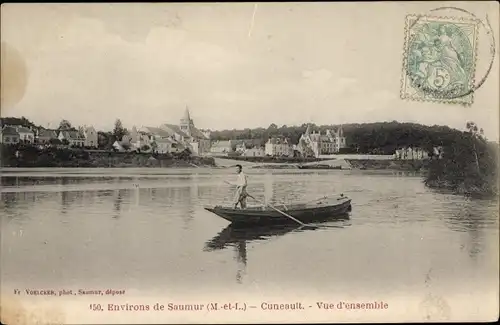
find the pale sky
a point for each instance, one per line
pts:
(326, 63)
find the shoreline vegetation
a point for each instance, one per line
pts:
(339, 163)
(468, 165)
(29, 155)
(32, 156)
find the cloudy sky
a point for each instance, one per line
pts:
(235, 65)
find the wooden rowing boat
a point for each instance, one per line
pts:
(305, 212)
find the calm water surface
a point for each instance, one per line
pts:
(146, 230)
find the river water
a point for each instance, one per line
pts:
(429, 255)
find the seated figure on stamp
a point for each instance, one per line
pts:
(438, 63)
(449, 54)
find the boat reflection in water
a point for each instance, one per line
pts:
(239, 236)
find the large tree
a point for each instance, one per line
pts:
(469, 164)
(119, 131)
(17, 121)
(105, 140)
(475, 134)
(64, 125)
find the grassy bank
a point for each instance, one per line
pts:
(469, 167)
(372, 164)
(32, 156)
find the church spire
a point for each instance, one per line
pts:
(308, 129)
(187, 116)
(187, 124)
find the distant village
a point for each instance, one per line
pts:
(175, 138)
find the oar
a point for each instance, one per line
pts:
(283, 213)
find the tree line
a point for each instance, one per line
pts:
(364, 138)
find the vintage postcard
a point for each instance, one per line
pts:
(180, 163)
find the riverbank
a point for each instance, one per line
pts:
(365, 162)
(333, 164)
(402, 165)
(483, 191)
(31, 156)
(125, 160)
(272, 160)
(469, 167)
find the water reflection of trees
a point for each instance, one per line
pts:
(15, 204)
(405, 173)
(101, 193)
(274, 192)
(17, 181)
(472, 217)
(11, 181)
(65, 197)
(71, 198)
(118, 201)
(286, 191)
(10, 201)
(178, 199)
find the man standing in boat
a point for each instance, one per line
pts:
(241, 189)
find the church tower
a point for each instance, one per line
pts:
(308, 130)
(186, 124)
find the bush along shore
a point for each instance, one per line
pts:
(34, 156)
(469, 166)
(401, 165)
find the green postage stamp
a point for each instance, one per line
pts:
(439, 59)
